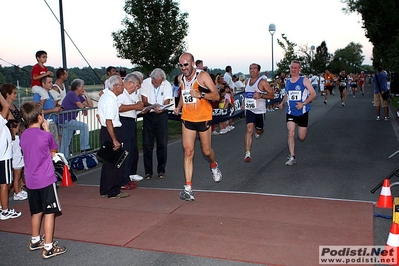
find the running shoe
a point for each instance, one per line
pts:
(387, 118)
(216, 174)
(215, 133)
(325, 102)
(247, 158)
(378, 118)
(187, 194)
(259, 133)
(54, 251)
(291, 161)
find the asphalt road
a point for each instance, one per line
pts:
(344, 156)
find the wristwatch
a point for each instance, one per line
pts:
(202, 94)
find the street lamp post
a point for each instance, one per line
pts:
(311, 56)
(272, 30)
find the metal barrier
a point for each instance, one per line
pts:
(87, 116)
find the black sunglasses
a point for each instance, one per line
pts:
(181, 65)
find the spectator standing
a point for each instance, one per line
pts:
(155, 92)
(315, 81)
(9, 92)
(238, 84)
(76, 98)
(176, 90)
(6, 175)
(380, 80)
(108, 113)
(228, 77)
(38, 147)
(128, 115)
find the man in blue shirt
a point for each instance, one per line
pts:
(49, 107)
(380, 86)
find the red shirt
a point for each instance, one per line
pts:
(36, 71)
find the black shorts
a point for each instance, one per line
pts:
(6, 173)
(197, 126)
(330, 88)
(301, 120)
(342, 88)
(257, 119)
(44, 200)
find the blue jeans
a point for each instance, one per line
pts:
(68, 129)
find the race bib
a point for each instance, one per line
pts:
(327, 81)
(294, 95)
(250, 103)
(187, 98)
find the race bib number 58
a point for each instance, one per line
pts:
(187, 98)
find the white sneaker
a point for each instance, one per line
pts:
(230, 128)
(10, 214)
(216, 174)
(24, 192)
(20, 196)
(291, 161)
(223, 131)
(215, 132)
(136, 178)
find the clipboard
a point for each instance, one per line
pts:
(107, 153)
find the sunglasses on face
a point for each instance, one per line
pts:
(181, 65)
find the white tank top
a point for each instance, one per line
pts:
(257, 106)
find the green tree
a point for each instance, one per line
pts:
(289, 54)
(349, 59)
(154, 34)
(381, 24)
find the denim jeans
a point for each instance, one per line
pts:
(68, 129)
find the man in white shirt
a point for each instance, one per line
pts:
(156, 92)
(228, 79)
(128, 115)
(108, 111)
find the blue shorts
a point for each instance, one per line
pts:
(257, 119)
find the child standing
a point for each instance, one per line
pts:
(39, 71)
(17, 161)
(6, 175)
(38, 146)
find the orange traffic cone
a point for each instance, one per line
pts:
(66, 177)
(385, 200)
(392, 243)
